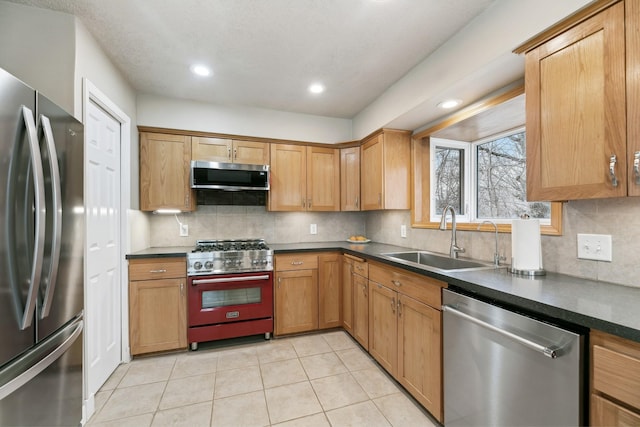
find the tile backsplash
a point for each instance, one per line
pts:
(618, 217)
(238, 222)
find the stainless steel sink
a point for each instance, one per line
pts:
(437, 262)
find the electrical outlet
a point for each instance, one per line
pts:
(313, 229)
(184, 230)
(403, 231)
(595, 246)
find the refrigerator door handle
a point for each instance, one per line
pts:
(39, 215)
(56, 209)
(43, 354)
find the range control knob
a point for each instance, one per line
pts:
(197, 265)
(208, 265)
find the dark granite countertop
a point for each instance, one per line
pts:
(593, 304)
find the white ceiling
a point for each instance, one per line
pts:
(265, 53)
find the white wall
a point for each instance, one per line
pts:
(158, 111)
(480, 52)
(92, 63)
(38, 47)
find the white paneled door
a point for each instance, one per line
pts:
(102, 204)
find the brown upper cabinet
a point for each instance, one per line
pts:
(582, 105)
(229, 151)
(164, 172)
(384, 175)
(304, 178)
(350, 179)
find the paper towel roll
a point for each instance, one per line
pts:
(526, 251)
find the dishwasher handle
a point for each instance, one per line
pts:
(547, 351)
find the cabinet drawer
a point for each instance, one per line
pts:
(360, 266)
(606, 413)
(296, 262)
(422, 288)
(617, 375)
(157, 268)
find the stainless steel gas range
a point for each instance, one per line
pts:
(230, 290)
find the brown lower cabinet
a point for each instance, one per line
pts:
(405, 331)
(307, 292)
(615, 381)
(157, 305)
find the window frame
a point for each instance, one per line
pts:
(421, 167)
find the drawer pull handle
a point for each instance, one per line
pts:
(397, 283)
(297, 262)
(612, 170)
(162, 270)
(393, 305)
(636, 166)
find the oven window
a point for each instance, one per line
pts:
(222, 298)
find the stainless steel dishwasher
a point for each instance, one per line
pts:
(502, 368)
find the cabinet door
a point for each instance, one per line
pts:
(323, 179)
(165, 165)
(211, 149)
(383, 326)
(607, 414)
(632, 26)
(372, 174)
(288, 178)
(347, 294)
(157, 315)
(350, 179)
(576, 117)
(330, 291)
(250, 152)
(420, 353)
(296, 301)
(361, 310)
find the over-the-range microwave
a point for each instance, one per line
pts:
(229, 176)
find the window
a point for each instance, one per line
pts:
(483, 180)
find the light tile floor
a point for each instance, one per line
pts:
(313, 380)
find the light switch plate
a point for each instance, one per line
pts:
(595, 246)
(313, 229)
(184, 230)
(403, 231)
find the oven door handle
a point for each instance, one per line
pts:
(196, 282)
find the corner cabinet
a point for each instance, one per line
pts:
(615, 381)
(165, 165)
(385, 164)
(583, 139)
(350, 179)
(157, 305)
(307, 292)
(304, 178)
(230, 151)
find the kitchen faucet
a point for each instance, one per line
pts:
(496, 254)
(454, 249)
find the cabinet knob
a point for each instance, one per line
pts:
(397, 283)
(612, 170)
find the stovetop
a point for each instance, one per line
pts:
(230, 245)
(229, 256)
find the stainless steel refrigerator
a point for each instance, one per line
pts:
(41, 259)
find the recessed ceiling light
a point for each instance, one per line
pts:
(200, 70)
(449, 104)
(316, 88)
